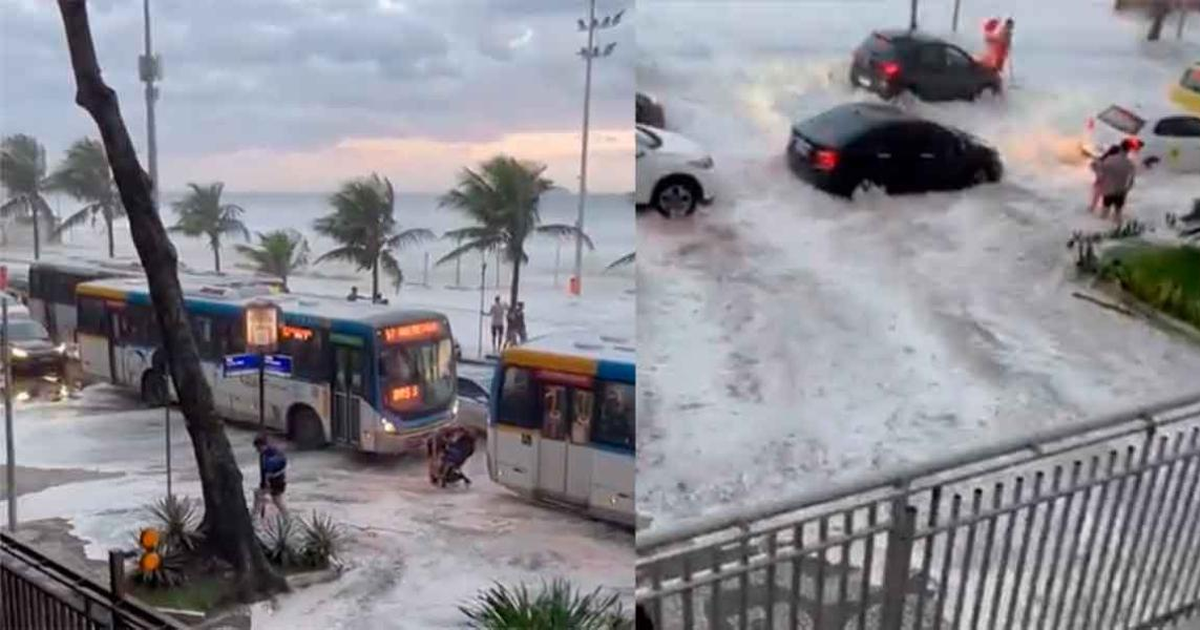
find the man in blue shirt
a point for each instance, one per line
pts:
(272, 471)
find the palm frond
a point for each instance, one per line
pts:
(408, 238)
(347, 253)
(80, 216)
(485, 245)
(562, 230)
(391, 268)
(627, 259)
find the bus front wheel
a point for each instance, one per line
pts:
(305, 429)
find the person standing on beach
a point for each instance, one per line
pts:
(497, 313)
(1115, 176)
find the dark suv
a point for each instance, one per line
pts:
(862, 145)
(889, 63)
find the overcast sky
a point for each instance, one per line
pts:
(298, 95)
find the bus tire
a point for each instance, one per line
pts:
(154, 388)
(304, 428)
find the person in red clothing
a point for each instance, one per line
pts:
(998, 40)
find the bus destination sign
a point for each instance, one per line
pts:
(409, 332)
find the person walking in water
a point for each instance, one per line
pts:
(353, 297)
(1096, 194)
(1115, 176)
(519, 321)
(497, 313)
(272, 477)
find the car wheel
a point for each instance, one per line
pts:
(154, 388)
(305, 429)
(987, 93)
(676, 197)
(981, 176)
(864, 186)
(1151, 162)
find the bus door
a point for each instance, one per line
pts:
(347, 390)
(113, 325)
(564, 465)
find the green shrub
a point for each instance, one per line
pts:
(277, 536)
(178, 521)
(321, 540)
(557, 605)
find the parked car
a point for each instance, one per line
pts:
(473, 401)
(863, 145)
(33, 352)
(648, 111)
(1164, 138)
(1186, 93)
(674, 174)
(892, 62)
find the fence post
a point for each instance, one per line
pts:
(897, 563)
(116, 573)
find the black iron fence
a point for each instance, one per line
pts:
(37, 593)
(1091, 527)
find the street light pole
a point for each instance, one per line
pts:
(482, 287)
(10, 458)
(150, 71)
(590, 52)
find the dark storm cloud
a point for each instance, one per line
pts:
(297, 74)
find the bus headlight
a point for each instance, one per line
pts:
(18, 353)
(388, 427)
(61, 349)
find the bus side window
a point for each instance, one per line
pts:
(554, 410)
(516, 400)
(616, 423)
(581, 416)
(91, 316)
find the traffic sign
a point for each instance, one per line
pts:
(235, 364)
(280, 364)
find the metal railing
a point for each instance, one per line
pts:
(37, 593)
(1092, 526)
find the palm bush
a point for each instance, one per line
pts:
(554, 606)
(280, 253)
(86, 176)
(23, 177)
(320, 541)
(277, 536)
(202, 214)
(502, 197)
(168, 570)
(363, 223)
(178, 520)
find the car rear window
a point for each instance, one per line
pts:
(835, 128)
(877, 46)
(1122, 119)
(1191, 79)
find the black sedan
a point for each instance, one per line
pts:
(890, 63)
(863, 145)
(32, 351)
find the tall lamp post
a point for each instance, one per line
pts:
(10, 462)
(262, 336)
(589, 52)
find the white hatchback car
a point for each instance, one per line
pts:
(674, 174)
(1167, 138)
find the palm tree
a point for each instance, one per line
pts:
(279, 253)
(86, 176)
(201, 213)
(363, 222)
(627, 259)
(502, 197)
(23, 176)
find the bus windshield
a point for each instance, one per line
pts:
(418, 376)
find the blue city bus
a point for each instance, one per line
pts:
(374, 377)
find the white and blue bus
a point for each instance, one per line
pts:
(562, 423)
(374, 377)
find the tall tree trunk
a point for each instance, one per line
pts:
(375, 279)
(1159, 11)
(215, 243)
(37, 238)
(516, 282)
(229, 532)
(108, 221)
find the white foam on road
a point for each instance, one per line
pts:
(788, 338)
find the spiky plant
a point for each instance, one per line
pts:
(277, 536)
(320, 541)
(167, 570)
(556, 605)
(178, 519)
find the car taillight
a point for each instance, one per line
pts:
(825, 160)
(1091, 124)
(890, 69)
(1135, 143)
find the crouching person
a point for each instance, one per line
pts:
(448, 451)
